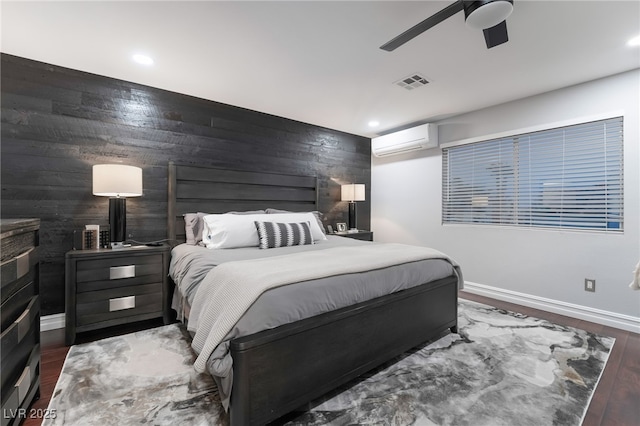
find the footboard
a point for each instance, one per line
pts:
(277, 371)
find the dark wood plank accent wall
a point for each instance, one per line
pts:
(58, 122)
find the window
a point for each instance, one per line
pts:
(569, 177)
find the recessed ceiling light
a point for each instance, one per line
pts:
(634, 41)
(143, 59)
(374, 123)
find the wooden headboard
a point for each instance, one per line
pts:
(195, 189)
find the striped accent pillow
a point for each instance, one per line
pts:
(272, 234)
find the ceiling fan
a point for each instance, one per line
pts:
(486, 15)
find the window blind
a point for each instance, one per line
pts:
(569, 178)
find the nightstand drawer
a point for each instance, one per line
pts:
(118, 268)
(99, 306)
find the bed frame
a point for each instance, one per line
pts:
(279, 370)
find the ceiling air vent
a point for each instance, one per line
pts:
(412, 81)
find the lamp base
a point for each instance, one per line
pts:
(353, 223)
(118, 221)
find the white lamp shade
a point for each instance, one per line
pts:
(117, 180)
(489, 15)
(353, 192)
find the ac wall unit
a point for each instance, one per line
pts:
(413, 139)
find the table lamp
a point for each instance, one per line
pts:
(117, 182)
(353, 192)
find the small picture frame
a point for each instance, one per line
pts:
(330, 229)
(342, 227)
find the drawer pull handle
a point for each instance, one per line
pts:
(23, 384)
(120, 272)
(122, 303)
(23, 323)
(22, 264)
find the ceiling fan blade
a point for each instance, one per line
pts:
(423, 26)
(497, 35)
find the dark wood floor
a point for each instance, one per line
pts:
(616, 401)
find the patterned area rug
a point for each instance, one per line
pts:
(502, 369)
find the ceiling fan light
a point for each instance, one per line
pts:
(485, 14)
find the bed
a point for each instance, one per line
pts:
(288, 364)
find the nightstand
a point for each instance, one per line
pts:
(360, 235)
(107, 287)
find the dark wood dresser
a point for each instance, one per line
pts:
(106, 287)
(20, 312)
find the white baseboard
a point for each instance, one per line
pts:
(52, 322)
(611, 319)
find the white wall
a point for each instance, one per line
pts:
(545, 265)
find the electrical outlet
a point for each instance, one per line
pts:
(589, 285)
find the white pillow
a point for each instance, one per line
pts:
(233, 231)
